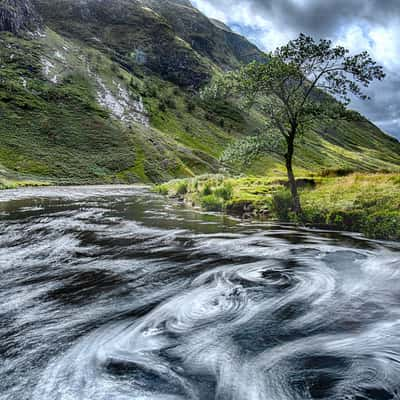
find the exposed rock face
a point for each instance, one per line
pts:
(121, 105)
(18, 16)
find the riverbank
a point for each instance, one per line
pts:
(366, 203)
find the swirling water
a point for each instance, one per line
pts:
(114, 293)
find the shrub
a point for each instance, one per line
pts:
(383, 225)
(351, 220)
(207, 191)
(315, 216)
(211, 203)
(162, 189)
(182, 189)
(336, 172)
(224, 192)
(281, 205)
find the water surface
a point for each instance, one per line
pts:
(115, 293)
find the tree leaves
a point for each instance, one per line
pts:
(302, 81)
(243, 152)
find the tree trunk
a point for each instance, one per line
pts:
(292, 180)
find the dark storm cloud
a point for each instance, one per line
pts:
(384, 106)
(323, 17)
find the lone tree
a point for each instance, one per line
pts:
(299, 83)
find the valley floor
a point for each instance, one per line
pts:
(366, 203)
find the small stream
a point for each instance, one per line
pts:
(116, 293)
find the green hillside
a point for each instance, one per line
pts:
(89, 95)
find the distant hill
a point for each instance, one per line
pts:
(107, 91)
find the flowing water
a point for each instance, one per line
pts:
(114, 293)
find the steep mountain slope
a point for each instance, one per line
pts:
(106, 91)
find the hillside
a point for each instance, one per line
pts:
(90, 95)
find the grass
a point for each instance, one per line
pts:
(359, 202)
(365, 203)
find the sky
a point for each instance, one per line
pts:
(372, 25)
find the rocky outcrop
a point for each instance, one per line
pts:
(18, 16)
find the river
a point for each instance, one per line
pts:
(116, 293)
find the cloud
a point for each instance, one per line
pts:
(372, 25)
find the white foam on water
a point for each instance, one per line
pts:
(101, 301)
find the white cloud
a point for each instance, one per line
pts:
(386, 44)
(210, 10)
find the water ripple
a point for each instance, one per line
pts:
(101, 299)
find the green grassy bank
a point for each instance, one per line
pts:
(366, 203)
